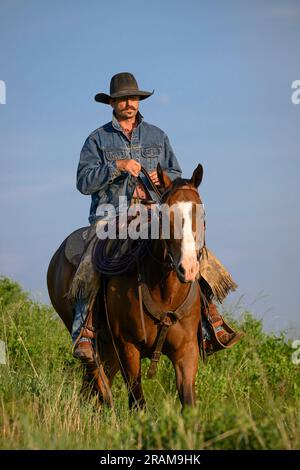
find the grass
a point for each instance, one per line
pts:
(248, 397)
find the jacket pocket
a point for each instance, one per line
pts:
(150, 156)
(152, 151)
(115, 154)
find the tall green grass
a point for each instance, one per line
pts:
(247, 397)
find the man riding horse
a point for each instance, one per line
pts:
(110, 166)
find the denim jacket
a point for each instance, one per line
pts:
(97, 172)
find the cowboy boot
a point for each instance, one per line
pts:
(222, 335)
(84, 350)
(84, 344)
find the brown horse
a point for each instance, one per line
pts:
(125, 337)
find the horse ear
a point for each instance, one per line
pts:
(164, 179)
(197, 176)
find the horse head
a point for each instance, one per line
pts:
(185, 219)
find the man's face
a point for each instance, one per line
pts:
(125, 107)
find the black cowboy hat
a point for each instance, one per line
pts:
(123, 84)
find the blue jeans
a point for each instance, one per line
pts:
(80, 312)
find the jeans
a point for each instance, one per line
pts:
(80, 311)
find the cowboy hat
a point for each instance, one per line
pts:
(123, 84)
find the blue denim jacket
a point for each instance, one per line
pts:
(97, 172)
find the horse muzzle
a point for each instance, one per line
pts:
(188, 272)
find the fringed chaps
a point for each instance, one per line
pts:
(216, 276)
(86, 281)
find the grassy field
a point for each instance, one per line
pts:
(247, 398)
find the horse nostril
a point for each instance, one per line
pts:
(181, 269)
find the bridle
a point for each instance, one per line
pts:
(161, 198)
(166, 318)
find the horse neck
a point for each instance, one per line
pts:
(162, 281)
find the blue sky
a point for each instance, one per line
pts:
(222, 74)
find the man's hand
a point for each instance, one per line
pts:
(154, 177)
(132, 166)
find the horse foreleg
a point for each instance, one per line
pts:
(131, 370)
(186, 366)
(100, 384)
(88, 388)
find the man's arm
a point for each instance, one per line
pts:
(171, 165)
(93, 173)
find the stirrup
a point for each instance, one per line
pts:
(85, 355)
(217, 331)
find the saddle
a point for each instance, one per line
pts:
(75, 244)
(110, 256)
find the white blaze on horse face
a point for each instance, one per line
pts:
(188, 259)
